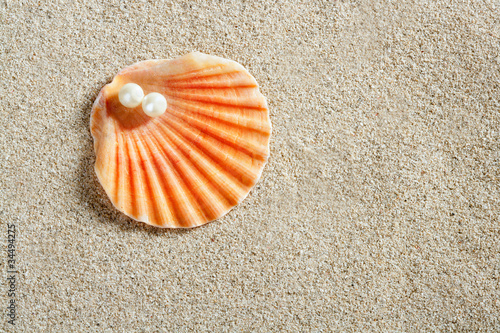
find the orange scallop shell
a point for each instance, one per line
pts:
(195, 162)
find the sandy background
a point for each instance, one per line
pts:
(378, 209)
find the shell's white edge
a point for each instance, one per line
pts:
(145, 219)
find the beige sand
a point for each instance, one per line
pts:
(378, 210)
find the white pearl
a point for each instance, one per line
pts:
(131, 95)
(154, 104)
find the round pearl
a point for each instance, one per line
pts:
(154, 104)
(131, 95)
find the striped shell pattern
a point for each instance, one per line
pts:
(195, 162)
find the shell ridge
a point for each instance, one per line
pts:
(208, 109)
(165, 177)
(122, 186)
(131, 175)
(226, 182)
(215, 81)
(117, 176)
(210, 150)
(167, 88)
(186, 192)
(243, 146)
(137, 176)
(225, 118)
(191, 172)
(198, 73)
(215, 88)
(184, 177)
(224, 100)
(150, 209)
(199, 86)
(158, 189)
(195, 180)
(196, 70)
(233, 79)
(251, 138)
(162, 183)
(258, 108)
(227, 108)
(129, 179)
(234, 182)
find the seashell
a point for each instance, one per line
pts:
(195, 162)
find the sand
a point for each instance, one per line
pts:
(378, 209)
